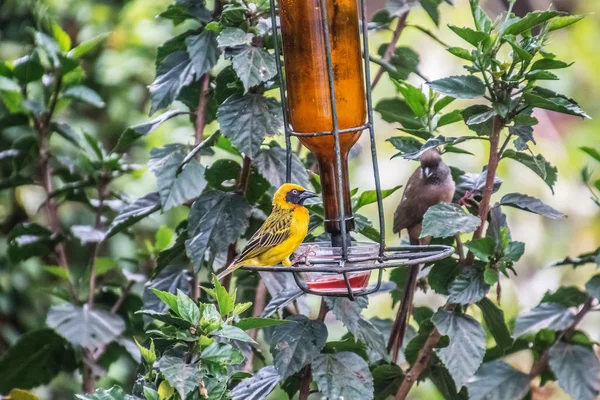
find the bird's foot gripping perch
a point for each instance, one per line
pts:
(310, 250)
(463, 200)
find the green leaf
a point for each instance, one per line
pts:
(35, 359)
(460, 53)
(442, 103)
(253, 65)
(473, 37)
(181, 376)
(222, 353)
(216, 220)
(234, 37)
(396, 110)
(176, 189)
(594, 153)
(170, 299)
(568, 296)
(225, 301)
(135, 132)
(114, 393)
(520, 25)
(545, 64)
(349, 313)
(150, 394)
(271, 163)
(519, 51)
(280, 300)
(29, 240)
(297, 344)
(233, 333)
(582, 259)
(62, 38)
(563, 21)
(484, 128)
(483, 248)
(173, 73)
(134, 212)
(431, 7)
(258, 387)
(557, 103)
(468, 288)
(203, 51)
(537, 164)
(404, 61)
(462, 87)
(497, 380)
(28, 68)
(445, 219)
(464, 354)
(592, 287)
(90, 329)
(343, 376)
(85, 94)
(577, 369)
(49, 46)
(442, 274)
(88, 45)
(494, 320)
(531, 204)
(148, 354)
(406, 144)
(247, 119)
(449, 118)
(258, 323)
(524, 134)
(66, 132)
(553, 316)
(370, 196)
(187, 308)
(386, 380)
(413, 96)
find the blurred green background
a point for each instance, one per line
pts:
(121, 71)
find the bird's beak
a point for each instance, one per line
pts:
(427, 172)
(307, 194)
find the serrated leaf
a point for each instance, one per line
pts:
(494, 320)
(225, 301)
(258, 386)
(253, 66)
(464, 354)
(592, 287)
(482, 248)
(85, 94)
(233, 333)
(280, 300)
(577, 369)
(531, 204)
(271, 163)
(148, 354)
(296, 344)
(558, 104)
(520, 25)
(176, 189)
(222, 353)
(497, 380)
(170, 279)
(563, 21)
(343, 376)
(247, 119)
(349, 313)
(474, 183)
(184, 378)
(462, 87)
(135, 132)
(396, 110)
(134, 212)
(468, 288)
(35, 359)
(537, 164)
(258, 323)
(582, 259)
(173, 73)
(483, 129)
(553, 316)
(203, 51)
(473, 37)
(187, 308)
(445, 219)
(90, 329)
(386, 380)
(114, 393)
(216, 220)
(231, 36)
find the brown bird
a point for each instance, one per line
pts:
(429, 185)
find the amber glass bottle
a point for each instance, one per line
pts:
(308, 90)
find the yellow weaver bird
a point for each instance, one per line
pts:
(281, 233)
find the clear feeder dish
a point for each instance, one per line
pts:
(334, 283)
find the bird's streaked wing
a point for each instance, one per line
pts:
(274, 231)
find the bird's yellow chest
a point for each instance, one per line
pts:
(298, 230)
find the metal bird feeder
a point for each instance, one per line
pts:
(326, 100)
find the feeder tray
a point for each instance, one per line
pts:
(342, 270)
(329, 274)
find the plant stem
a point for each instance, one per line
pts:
(542, 363)
(305, 374)
(427, 350)
(503, 147)
(124, 292)
(200, 124)
(391, 47)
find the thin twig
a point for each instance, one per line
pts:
(96, 246)
(460, 249)
(503, 147)
(124, 292)
(391, 47)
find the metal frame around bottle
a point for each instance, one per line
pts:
(387, 256)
